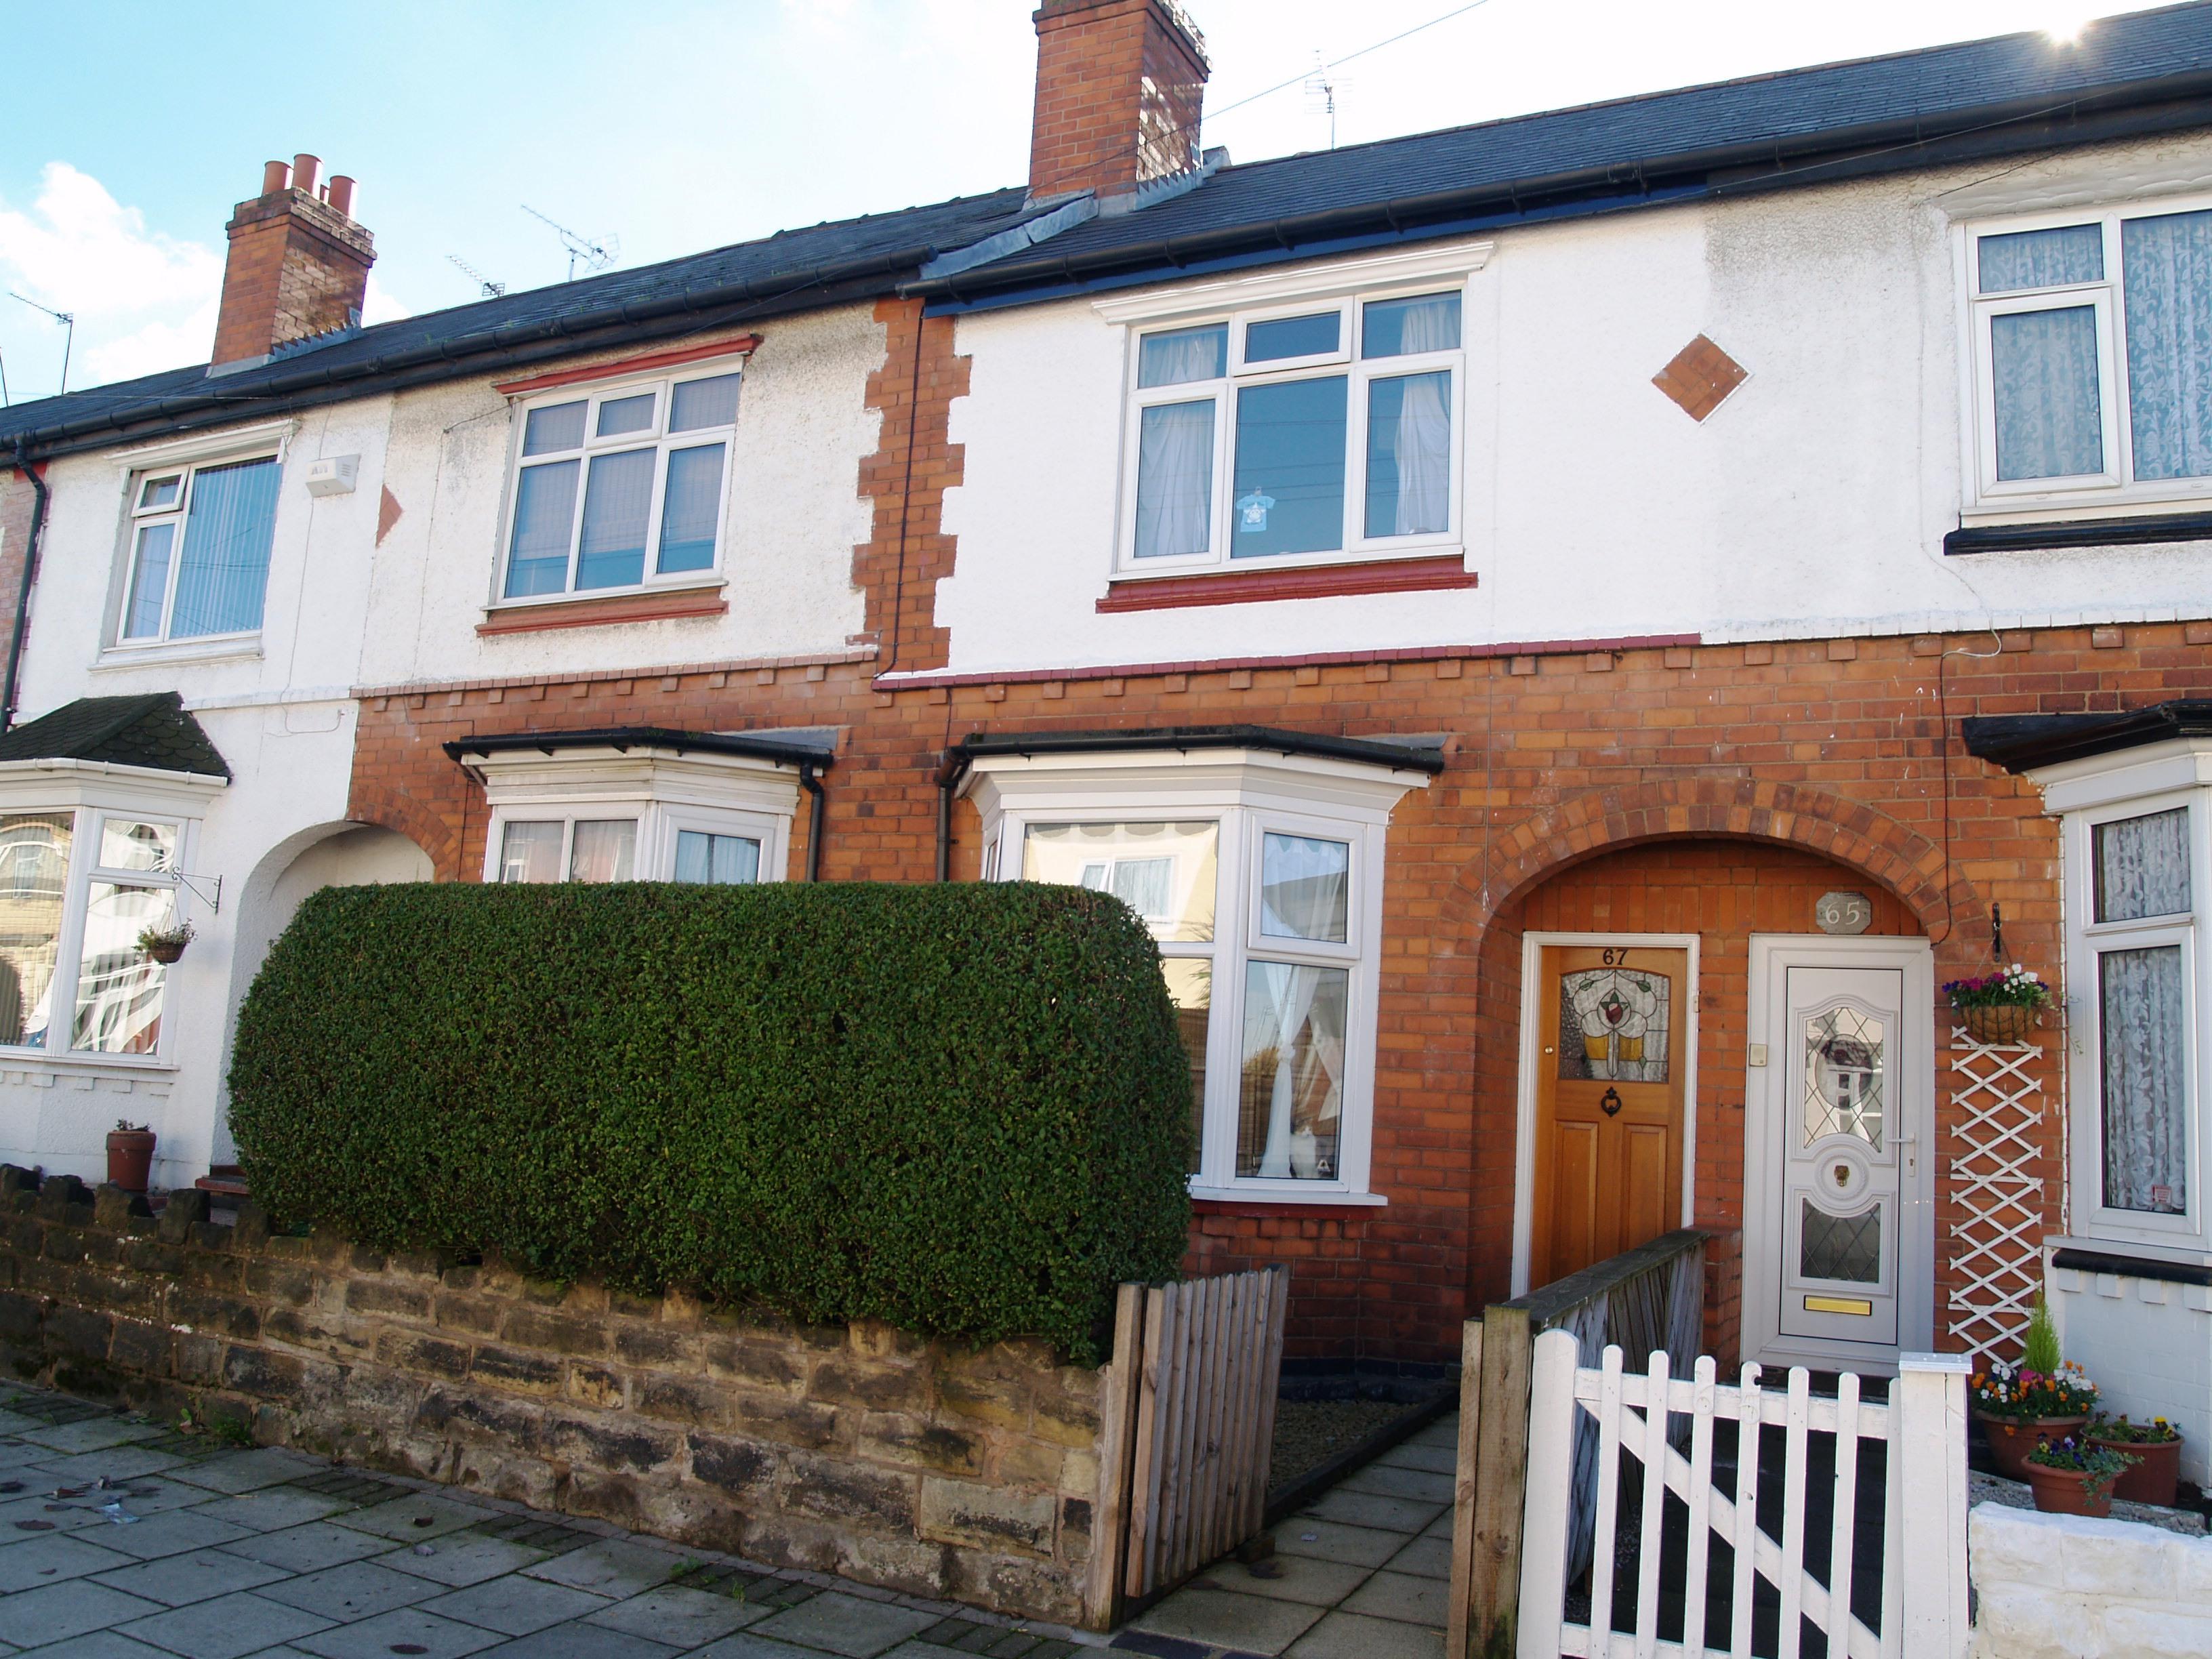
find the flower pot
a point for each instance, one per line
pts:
(2068, 1492)
(2011, 1439)
(2152, 1477)
(130, 1158)
(1990, 1022)
(166, 951)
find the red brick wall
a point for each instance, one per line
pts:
(1119, 87)
(295, 268)
(17, 501)
(1828, 750)
(914, 463)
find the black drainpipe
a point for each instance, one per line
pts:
(948, 780)
(23, 593)
(810, 781)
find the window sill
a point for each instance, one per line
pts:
(1226, 1201)
(653, 604)
(230, 648)
(37, 1060)
(2127, 1259)
(2134, 530)
(1261, 586)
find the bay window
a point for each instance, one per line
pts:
(621, 489)
(2092, 354)
(1327, 430)
(1259, 874)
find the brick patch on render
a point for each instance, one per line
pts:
(867, 1452)
(1699, 377)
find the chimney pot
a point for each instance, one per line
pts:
(298, 265)
(1119, 86)
(275, 175)
(304, 168)
(341, 194)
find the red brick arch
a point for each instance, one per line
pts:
(1601, 821)
(393, 808)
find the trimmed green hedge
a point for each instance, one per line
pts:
(963, 1110)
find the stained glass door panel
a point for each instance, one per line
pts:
(1838, 1178)
(1609, 1104)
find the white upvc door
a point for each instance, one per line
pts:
(1838, 1217)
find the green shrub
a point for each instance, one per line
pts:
(963, 1110)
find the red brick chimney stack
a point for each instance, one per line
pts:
(1119, 86)
(298, 265)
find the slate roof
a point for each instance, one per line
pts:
(791, 270)
(143, 731)
(2014, 92)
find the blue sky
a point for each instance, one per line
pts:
(133, 127)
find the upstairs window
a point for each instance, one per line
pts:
(1325, 431)
(2093, 358)
(621, 489)
(198, 563)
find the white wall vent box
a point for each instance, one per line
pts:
(336, 475)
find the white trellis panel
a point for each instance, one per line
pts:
(1995, 1244)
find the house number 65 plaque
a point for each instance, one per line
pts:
(1844, 913)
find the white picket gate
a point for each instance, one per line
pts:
(1924, 1582)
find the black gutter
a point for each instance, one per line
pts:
(810, 779)
(1767, 164)
(1372, 752)
(2020, 743)
(514, 346)
(627, 738)
(23, 589)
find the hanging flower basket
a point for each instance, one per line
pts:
(166, 944)
(1991, 1022)
(1999, 1007)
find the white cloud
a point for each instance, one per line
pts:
(379, 306)
(142, 301)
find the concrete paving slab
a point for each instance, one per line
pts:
(102, 1644)
(48, 1558)
(170, 1533)
(1401, 1596)
(272, 1508)
(53, 1613)
(750, 1644)
(175, 1580)
(117, 1463)
(1439, 1527)
(1246, 1623)
(247, 1471)
(46, 1515)
(682, 1617)
(356, 1590)
(1425, 1558)
(1349, 1636)
(459, 1560)
(613, 1567)
(228, 1627)
(1300, 1578)
(416, 1517)
(404, 1628)
(848, 1625)
(515, 1606)
(309, 1548)
(93, 1434)
(1365, 1508)
(1438, 1459)
(1333, 1540)
(1389, 1481)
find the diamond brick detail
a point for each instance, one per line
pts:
(1699, 378)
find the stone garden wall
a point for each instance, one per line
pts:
(2066, 1587)
(864, 1451)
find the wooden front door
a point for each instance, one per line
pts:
(1608, 1168)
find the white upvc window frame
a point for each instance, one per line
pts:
(139, 517)
(2115, 489)
(661, 791)
(1246, 793)
(92, 794)
(1346, 362)
(2104, 789)
(593, 395)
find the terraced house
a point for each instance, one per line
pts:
(1570, 630)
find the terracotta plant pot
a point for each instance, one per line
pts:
(168, 951)
(1997, 1022)
(2068, 1492)
(2011, 1440)
(130, 1158)
(2151, 1478)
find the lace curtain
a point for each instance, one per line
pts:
(2050, 410)
(2168, 264)
(1175, 480)
(2142, 1028)
(1421, 442)
(2142, 867)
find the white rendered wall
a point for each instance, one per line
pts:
(2147, 1345)
(1812, 504)
(2066, 1587)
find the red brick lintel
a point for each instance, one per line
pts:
(921, 678)
(1261, 1209)
(743, 344)
(594, 613)
(1258, 587)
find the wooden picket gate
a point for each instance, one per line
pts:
(1923, 1568)
(1188, 1423)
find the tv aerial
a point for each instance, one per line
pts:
(68, 319)
(489, 289)
(595, 256)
